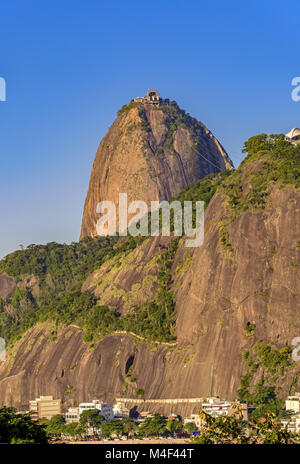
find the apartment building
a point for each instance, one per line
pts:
(45, 407)
(216, 407)
(292, 424)
(119, 411)
(293, 403)
(72, 415)
(196, 419)
(104, 409)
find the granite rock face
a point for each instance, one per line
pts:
(245, 273)
(150, 153)
(217, 293)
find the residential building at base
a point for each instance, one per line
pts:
(196, 419)
(72, 415)
(104, 409)
(45, 407)
(292, 424)
(293, 403)
(119, 411)
(217, 408)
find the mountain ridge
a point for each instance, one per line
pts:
(237, 294)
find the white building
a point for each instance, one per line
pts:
(292, 424)
(293, 136)
(216, 407)
(45, 407)
(293, 403)
(104, 409)
(120, 412)
(195, 418)
(72, 415)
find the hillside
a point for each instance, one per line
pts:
(151, 153)
(152, 317)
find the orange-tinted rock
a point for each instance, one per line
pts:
(142, 155)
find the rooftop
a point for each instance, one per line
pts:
(293, 136)
(152, 96)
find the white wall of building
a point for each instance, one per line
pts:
(104, 409)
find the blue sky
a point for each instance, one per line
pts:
(70, 65)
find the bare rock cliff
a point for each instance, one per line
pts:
(235, 300)
(150, 153)
(217, 293)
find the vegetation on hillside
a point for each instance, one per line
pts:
(65, 264)
(271, 366)
(270, 160)
(62, 269)
(179, 118)
(154, 320)
(126, 108)
(176, 118)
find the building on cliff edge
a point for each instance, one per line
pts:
(293, 136)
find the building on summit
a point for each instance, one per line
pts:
(152, 97)
(293, 136)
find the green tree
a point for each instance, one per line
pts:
(173, 426)
(20, 428)
(130, 427)
(225, 429)
(153, 426)
(268, 431)
(190, 427)
(233, 429)
(56, 426)
(74, 430)
(91, 418)
(114, 428)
